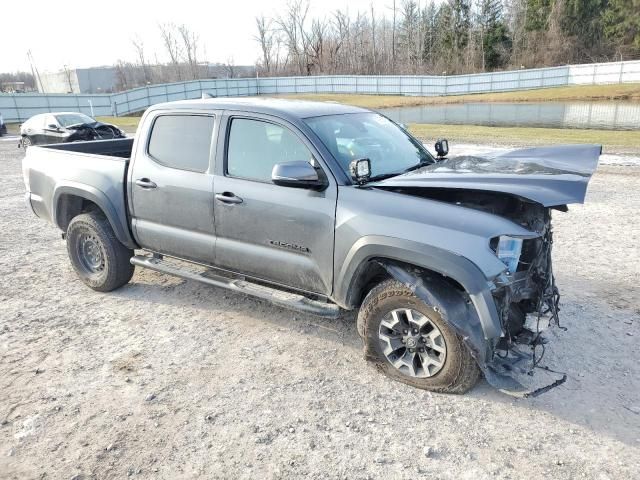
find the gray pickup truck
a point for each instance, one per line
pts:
(326, 208)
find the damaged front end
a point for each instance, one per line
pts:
(94, 131)
(527, 301)
(522, 186)
(525, 296)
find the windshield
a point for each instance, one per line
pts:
(369, 135)
(67, 119)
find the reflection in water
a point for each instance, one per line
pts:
(595, 115)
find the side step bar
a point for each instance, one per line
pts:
(284, 299)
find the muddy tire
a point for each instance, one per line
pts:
(409, 342)
(97, 256)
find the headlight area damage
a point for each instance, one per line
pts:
(527, 302)
(524, 187)
(94, 131)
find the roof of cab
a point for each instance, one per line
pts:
(291, 109)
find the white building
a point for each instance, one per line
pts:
(79, 80)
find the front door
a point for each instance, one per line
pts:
(171, 187)
(51, 131)
(279, 234)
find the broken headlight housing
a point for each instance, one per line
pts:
(508, 250)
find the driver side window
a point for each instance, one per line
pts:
(50, 120)
(255, 146)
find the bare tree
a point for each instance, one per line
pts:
(190, 42)
(138, 45)
(340, 24)
(292, 25)
(315, 46)
(265, 38)
(230, 67)
(167, 32)
(430, 36)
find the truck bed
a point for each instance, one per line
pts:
(95, 171)
(120, 147)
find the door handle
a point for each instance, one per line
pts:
(228, 197)
(145, 183)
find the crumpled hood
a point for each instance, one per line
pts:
(89, 125)
(550, 176)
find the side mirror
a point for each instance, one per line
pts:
(442, 147)
(297, 175)
(52, 126)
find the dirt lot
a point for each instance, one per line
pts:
(170, 379)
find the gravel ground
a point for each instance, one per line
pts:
(171, 379)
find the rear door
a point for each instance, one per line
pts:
(171, 185)
(279, 234)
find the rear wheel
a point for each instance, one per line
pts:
(97, 256)
(410, 341)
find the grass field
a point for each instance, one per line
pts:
(126, 123)
(627, 92)
(613, 141)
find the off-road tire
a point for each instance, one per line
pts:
(460, 371)
(115, 269)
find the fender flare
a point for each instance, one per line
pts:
(120, 228)
(444, 262)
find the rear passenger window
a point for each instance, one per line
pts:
(256, 146)
(182, 141)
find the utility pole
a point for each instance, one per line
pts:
(393, 41)
(34, 71)
(373, 39)
(68, 73)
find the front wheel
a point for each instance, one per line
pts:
(97, 256)
(410, 341)
(26, 142)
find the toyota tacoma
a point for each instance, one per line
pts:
(326, 208)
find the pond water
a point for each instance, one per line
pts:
(590, 115)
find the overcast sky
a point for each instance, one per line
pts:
(99, 32)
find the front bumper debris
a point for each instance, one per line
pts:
(513, 367)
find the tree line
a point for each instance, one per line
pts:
(453, 37)
(182, 57)
(398, 37)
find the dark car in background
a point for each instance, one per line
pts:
(3, 126)
(65, 127)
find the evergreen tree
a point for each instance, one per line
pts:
(408, 41)
(444, 24)
(583, 20)
(538, 12)
(461, 13)
(430, 34)
(454, 20)
(622, 25)
(495, 38)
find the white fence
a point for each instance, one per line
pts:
(19, 107)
